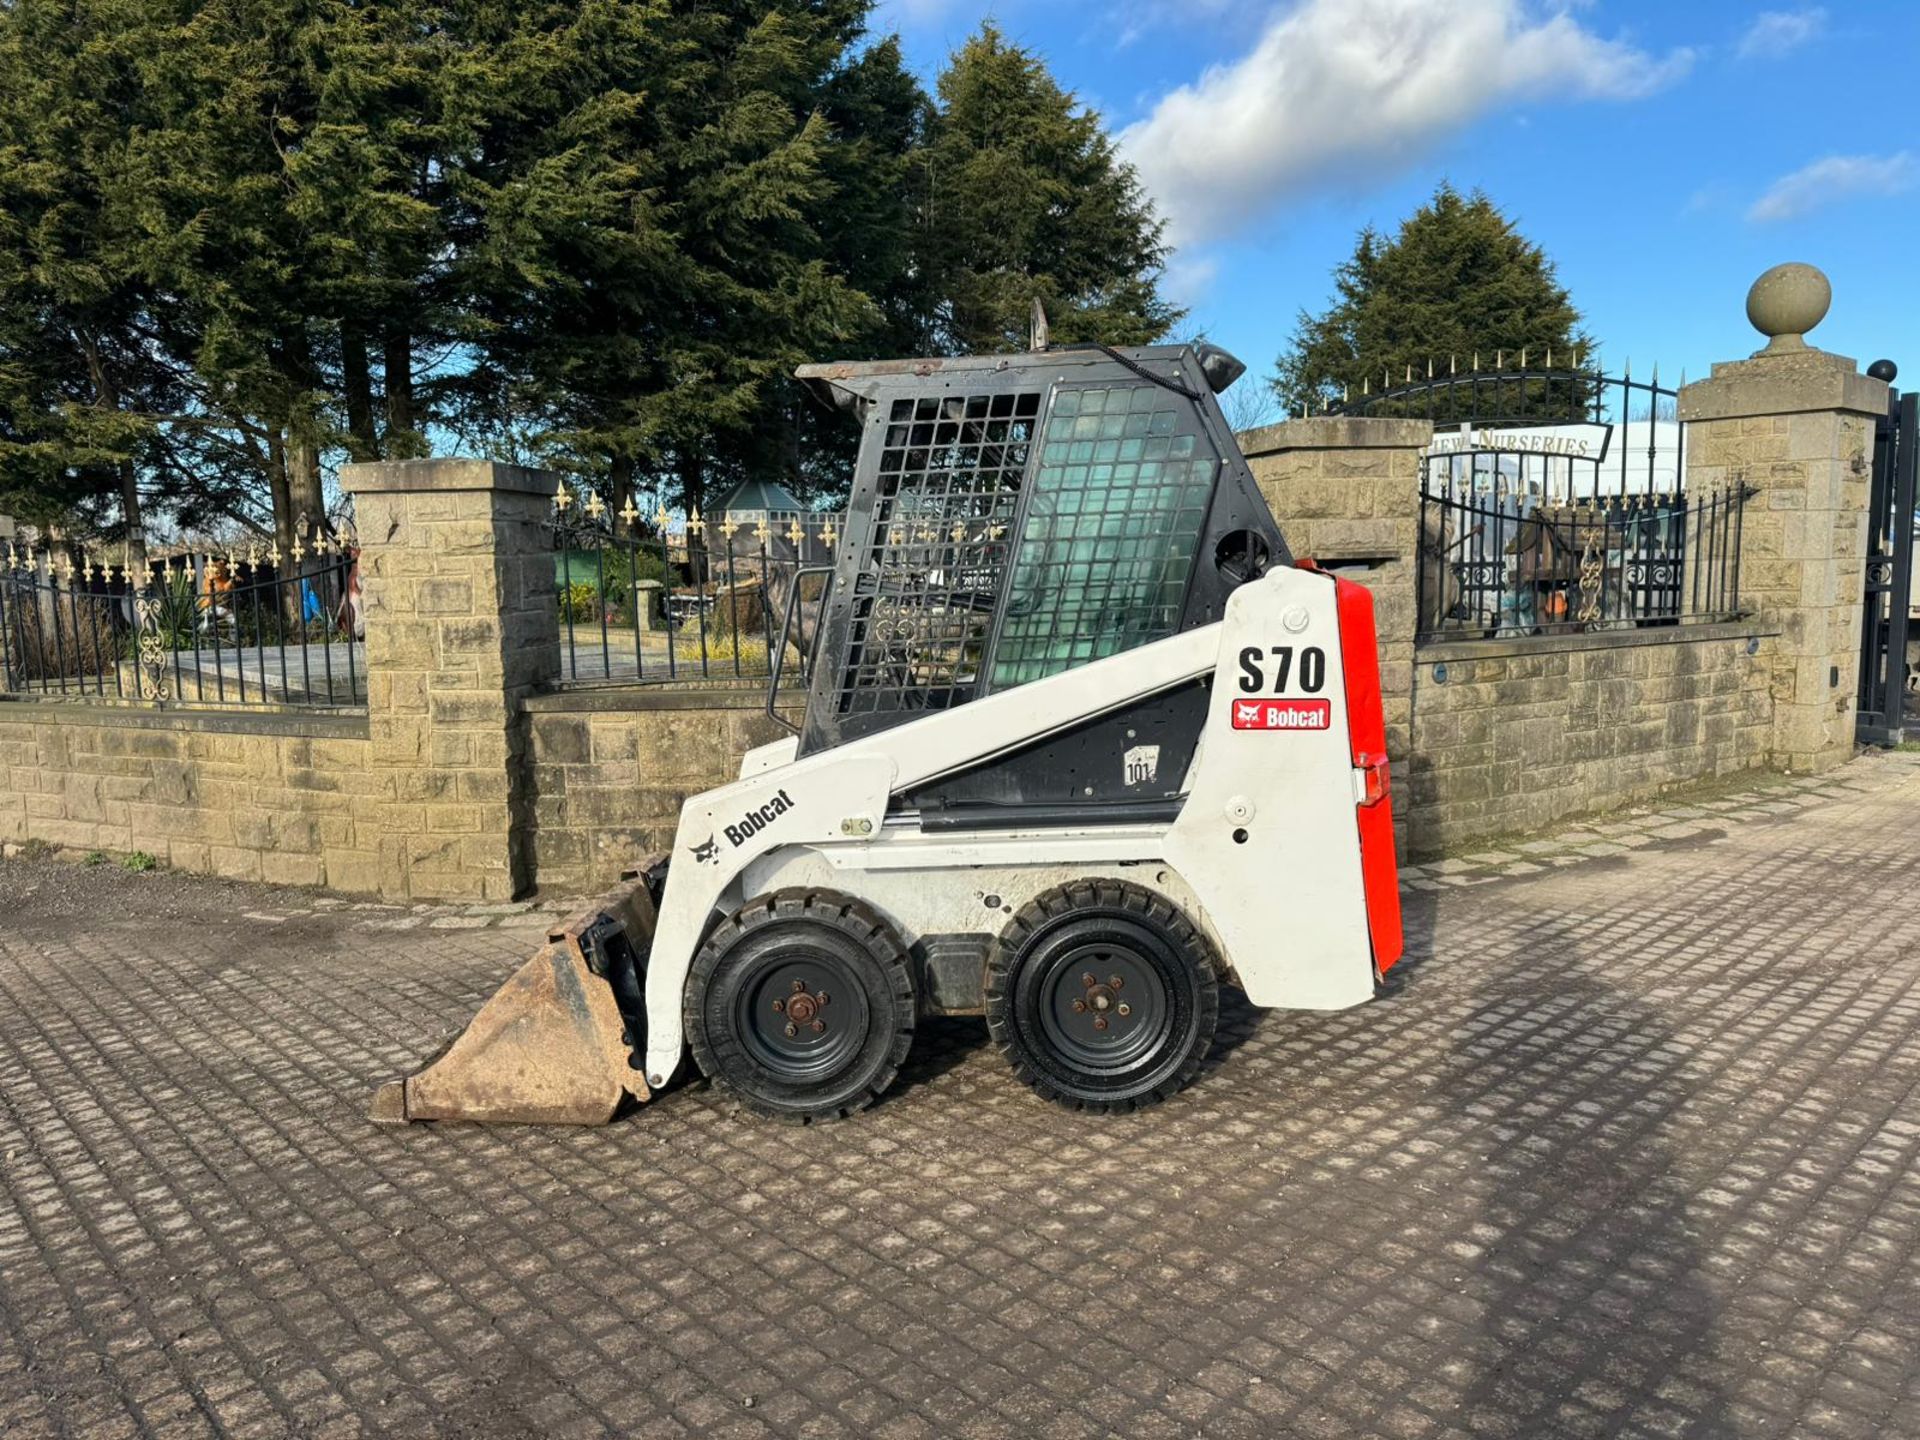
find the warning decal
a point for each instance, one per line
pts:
(1283, 714)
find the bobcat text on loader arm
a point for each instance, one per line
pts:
(1081, 744)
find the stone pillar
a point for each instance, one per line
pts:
(1796, 425)
(1346, 493)
(456, 565)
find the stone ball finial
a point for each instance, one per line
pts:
(1786, 302)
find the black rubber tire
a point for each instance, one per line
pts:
(824, 933)
(1027, 970)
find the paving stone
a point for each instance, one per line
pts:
(1633, 1152)
(1680, 831)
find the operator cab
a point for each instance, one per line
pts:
(1013, 517)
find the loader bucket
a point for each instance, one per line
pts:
(559, 1043)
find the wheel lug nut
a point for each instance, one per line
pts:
(791, 1032)
(1114, 982)
(1088, 980)
(819, 1027)
(1100, 1022)
(1125, 1009)
(1079, 1006)
(821, 997)
(798, 986)
(779, 1006)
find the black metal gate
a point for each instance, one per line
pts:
(1553, 502)
(1886, 618)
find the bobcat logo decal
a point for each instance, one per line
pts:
(707, 852)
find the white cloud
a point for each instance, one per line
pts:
(1188, 278)
(1836, 177)
(1775, 33)
(1345, 87)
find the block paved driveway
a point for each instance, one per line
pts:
(1632, 1154)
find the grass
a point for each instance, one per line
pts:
(720, 653)
(139, 862)
(95, 857)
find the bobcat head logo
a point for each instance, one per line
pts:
(707, 852)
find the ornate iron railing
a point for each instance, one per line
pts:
(200, 629)
(1511, 391)
(1552, 500)
(1494, 564)
(662, 598)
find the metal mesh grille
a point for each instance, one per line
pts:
(937, 551)
(1118, 503)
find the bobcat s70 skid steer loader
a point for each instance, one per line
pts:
(1081, 744)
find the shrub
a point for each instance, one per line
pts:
(579, 604)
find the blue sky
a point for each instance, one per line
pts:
(1664, 154)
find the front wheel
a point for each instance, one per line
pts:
(801, 1003)
(1103, 996)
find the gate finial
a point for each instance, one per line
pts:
(1786, 302)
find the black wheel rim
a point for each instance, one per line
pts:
(801, 1014)
(1104, 1006)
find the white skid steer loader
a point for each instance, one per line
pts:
(1081, 743)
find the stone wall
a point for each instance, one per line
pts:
(299, 799)
(462, 626)
(425, 796)
(1797, 428)
(1519, 735)
(611, 769)
(1501, 737)
(471, 776)
(286, 799)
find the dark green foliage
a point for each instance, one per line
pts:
(1456, 281)
(241, 244)
(1022, 196)
(654, 255)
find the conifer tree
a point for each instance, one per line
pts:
(1022, 196)
(75, 382)
(1457, 279)
(241, 244)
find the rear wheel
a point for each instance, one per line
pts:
(1103, 996)
(801, 1004)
